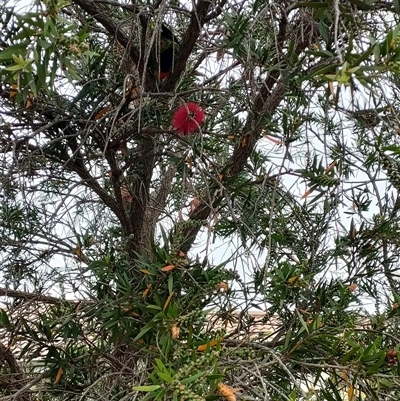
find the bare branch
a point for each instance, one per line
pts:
(99, 13)
(13, 379)
(189, 41)
(28, 296)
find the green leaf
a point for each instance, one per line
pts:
(333, 386)
(288, 337)
(8, 53)
(215, 377)
(375, 367)
(146, 328)
(321, 53)
(362, 4)
(312, 4)
(33, 87)
(156, 307)
(393, 148)
(321, 71)
(164, 235)
(324, 31)
(385, 383)
(194, 377)
(350, 354)
(147, 388)
(18, 59)
(396, 4)
(4, 320)
(170, 283)
(160, 365)
(160, 395)
(365, 55)
(44, 43)
(303, 323)
(110, 324)
(17, 67)
(165, 376)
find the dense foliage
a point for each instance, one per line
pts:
(138, 238)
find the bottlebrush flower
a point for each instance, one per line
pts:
(187, 118)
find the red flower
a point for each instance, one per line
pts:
(187, 118)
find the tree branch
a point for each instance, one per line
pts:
(28, 296)
(76, 165)
(100, 14)
(266, 101)
(141, 192)
(189, 41)
(157, 204)
(14, 380)
(218, 10)
(108, 200)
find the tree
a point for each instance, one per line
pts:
(117, 197)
